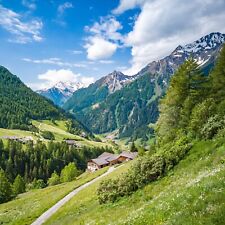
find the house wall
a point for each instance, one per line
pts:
(114, 162)
(92, 166)
(123, 159)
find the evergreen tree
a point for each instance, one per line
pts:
(133, 148)
(218, 78)
(187, 87)
(5, 188)
(19, 185)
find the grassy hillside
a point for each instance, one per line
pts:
(192, 193)
(28, 206)
(58, 128)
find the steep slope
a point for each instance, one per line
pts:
(61, 92)
(193, 193)
(127, 110)
(97, 92)
(19, 104)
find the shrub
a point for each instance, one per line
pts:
(19, 185)
(146, 169)
(54, 179)
(213, 126)
(200, 115)
(69, 173)
(37, 184)
(48, 135)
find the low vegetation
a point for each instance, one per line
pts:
(191, 193)
(26, 207)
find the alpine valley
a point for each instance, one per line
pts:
(127, 106)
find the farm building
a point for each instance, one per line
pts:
(19, 139)
(72, 142)
(109, 159)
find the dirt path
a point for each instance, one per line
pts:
(46, 215)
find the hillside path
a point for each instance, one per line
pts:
(46, 215)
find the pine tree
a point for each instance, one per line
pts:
(218, 78)
(133, 147)
(5, 188)
(187, 88)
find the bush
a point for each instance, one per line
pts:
(200, 115)
(54, 179)
(146, 169)
(48, 135)
(37, 184)
(69, 173)
(5, 188)
(213, 126)
(19, 185)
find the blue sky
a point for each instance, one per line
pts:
(46, 41)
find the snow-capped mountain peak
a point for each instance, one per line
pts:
(203, 51)
(208, 42)
(69, 86)
(60, 92)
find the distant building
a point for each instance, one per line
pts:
(19, 139)
(109, 159)
(72, 142)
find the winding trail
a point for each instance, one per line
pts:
(46, 215)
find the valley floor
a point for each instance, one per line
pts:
(193, 193)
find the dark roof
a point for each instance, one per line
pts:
(106, 157)
(100, 161)
(130, 155)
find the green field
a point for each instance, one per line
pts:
(28, 206)
(58, 129)
(192, 193)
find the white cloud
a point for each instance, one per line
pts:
(63, 7)
(52, 77)
(30, 4)
(55, 61)
(106, 61)
(22, 32)
(163, 25)
(104, 38)
(128, 4)
(99, 48)
(55, 76)
(87, 80)
(107, 28)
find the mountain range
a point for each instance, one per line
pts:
(61, 91)
(127, 105)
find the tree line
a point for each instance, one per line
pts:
(41, 164)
